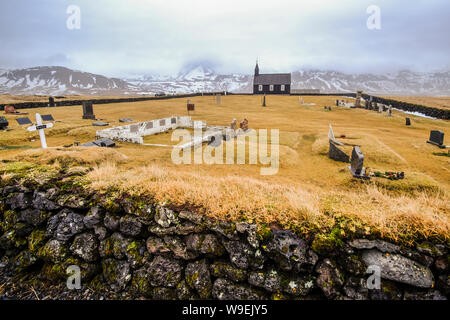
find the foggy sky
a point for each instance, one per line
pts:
(120, 38)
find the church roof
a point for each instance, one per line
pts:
(272, 78)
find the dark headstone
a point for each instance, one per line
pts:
(408, 121)
(88, 110)
(105, 142)
(47, 117)
(23, 121)
(437, 138)
(190, 107)
(264, 101)
(337, 154)
(51, 102)
(3, 123)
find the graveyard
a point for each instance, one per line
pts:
(309, 193)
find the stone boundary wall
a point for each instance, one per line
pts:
(133, 248)
(26, 105)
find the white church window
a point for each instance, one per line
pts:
(283, 87)
(260, 88)
(271, 87)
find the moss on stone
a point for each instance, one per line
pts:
(325, 243)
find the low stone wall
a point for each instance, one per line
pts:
(132, 248)
(64, 103)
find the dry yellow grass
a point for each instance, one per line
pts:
(308, 190)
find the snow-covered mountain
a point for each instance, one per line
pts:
(59, 80)
(196, 79)
(401, 83)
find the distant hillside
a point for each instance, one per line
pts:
(60, 80)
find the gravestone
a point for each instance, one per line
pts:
(337, 154)
(100, 124)
(407, 121)
(125, 120)
(190, 107)
(3, 123)
(51, 102)
(233, 124)
(437, 138)
(389, 114)
(332, 138)
(105, 142)
(356, 168)
(358, 99)
(244, 125)
(23, 121)
(367, 104)
(47, 117)
(264, 101)
(380, 108)
(88, 110)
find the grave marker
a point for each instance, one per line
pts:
(40, 127)
(337, 154)
(51, 102)
(88, 111)
(437, 138)
(407, 121)
(389, 114)
(264, 101)
(356, 168)
(358, 99)
(332, 138)
(23, 121)
(3, 123)
(47, 117)
(233, 124)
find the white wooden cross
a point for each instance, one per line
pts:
(40, 127)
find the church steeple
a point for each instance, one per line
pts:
(257, 69)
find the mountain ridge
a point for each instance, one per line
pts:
(56, 80)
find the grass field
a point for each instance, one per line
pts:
(310, 191)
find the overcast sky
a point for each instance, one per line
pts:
(119, 37)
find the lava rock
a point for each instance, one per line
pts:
(54, 251)
(205, 243)
(330, 278)
(111, 222)
(165, 272)
(165, 217)
(398, 268)
(269, 280)
(226, 290)
(85, 246)
(130, 225)
(116, 273)
(221, 269)
(69, 226)
(41, 202)
(290, 251)
(243, 256)
(383, 246)
(198, 277)
(298, 285)
(191, 216)
(93, 218)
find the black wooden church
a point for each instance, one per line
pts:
(275, 83)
